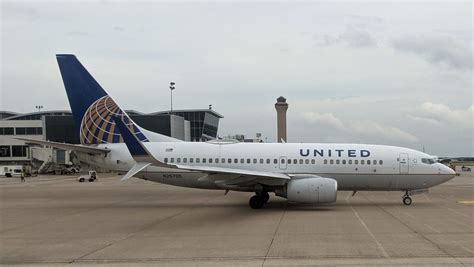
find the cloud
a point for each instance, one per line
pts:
(325, 118)
(77, 33)
(447, 51)
(360, 127)
(372, 128)
(13, 11)
(358, 38)
(351, 37)
(366, 22)
(442, 114)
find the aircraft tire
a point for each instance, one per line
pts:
(407, 201)
(265, 196)
(256, 202)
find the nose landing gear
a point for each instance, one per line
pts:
(259, 199)
(407, 199)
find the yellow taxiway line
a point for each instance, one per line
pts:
(467, 202)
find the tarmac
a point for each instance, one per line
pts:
(55, 220)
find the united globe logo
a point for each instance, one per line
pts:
(98, 127)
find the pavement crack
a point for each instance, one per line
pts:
(159, 221)
(274, 234)
(379, 245)
(412, 229)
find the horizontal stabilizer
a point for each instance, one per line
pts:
(139, 166)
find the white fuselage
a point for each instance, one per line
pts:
(353, 166)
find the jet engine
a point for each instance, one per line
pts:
(310, 190)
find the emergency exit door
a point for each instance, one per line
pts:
(404, 165)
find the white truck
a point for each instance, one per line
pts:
(11, 170)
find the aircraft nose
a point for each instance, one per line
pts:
(443, 169)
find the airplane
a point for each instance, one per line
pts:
(300, 172)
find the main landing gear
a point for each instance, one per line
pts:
(259, 199)
(407, 199)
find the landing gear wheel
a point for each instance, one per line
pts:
(256, 202)
(265, 196)
(407, 200)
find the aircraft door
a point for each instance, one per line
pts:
(403, 160)
(282, 162)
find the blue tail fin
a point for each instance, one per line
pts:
(92, 108)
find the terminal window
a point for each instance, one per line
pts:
(4, 151)
(6, 131)
(19, 151)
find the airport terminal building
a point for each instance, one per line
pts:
(58, 126)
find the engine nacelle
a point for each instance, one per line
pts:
(310, 190)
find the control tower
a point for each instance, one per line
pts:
(281, 107)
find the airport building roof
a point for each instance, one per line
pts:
(11, 115)
(188, 111)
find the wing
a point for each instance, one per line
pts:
(79, 148)
(227, 177)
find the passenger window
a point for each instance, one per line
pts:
(178, 160)
(223, 160)
(268, 161)
(185, 160)
(248, 161)
(172, 160)
(380, 162)
(236, 161)
(261, 161)
(313, 161)
(337, 161)
(254, 161)
(368, 162)
(242, 161)
(331, 161)
(191, 160)
(166, 160)
(216, 160)
(306, 161)
(229, 161)
(198, 160)
(289, 161)
(204, 160)
(301, 161)
(275, 161)
(210, 160)
(374, 162)
(343, 161)
(325, 161)
(356, 162)
(361, 162)
(295, 161)
(349, 162)
(282, 161)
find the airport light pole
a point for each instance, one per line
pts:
(39, 107)
(172, 87)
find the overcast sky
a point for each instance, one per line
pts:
(386, 73)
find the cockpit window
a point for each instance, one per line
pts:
(428, 161)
